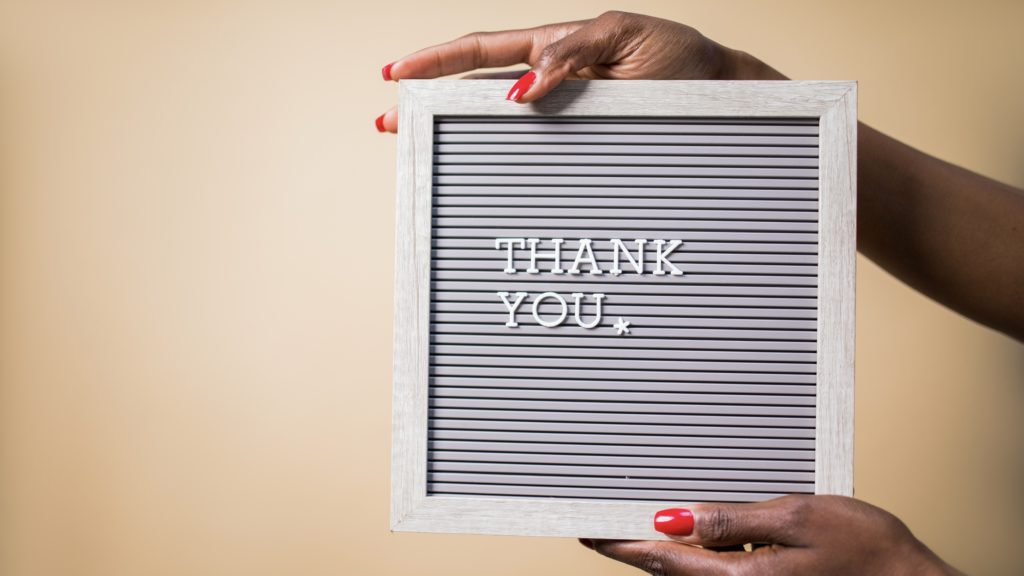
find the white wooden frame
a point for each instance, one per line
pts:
(833, 103)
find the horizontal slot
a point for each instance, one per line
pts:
(732, 302)
(626, 381)
(681, 438)
(451, 394)
(675, 497)
(581, 215)
(689, 345)
(623, 127)
(570, 190)
(497, 265)
(753, 437)
(611, 224)
(619, 139)
(711, 120)
(570, 159)
(585, 283)
(612, 307)
(615, 483)
(554, 350)
(646, 335)
(619, 406)
(641, 321)
(796, 457)
(565, 150)
(674, 473)
(631, 171)
(693, 247)
(697, 205)
(681, 465)
(595, 415)
(619, 181)
(609, 374)
(525, 281)
(641, 332)
(535, 230)
(570, 361)
(798, 254)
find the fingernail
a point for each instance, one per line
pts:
(587, 542)
(674, 522)
(521, 86)
(386, 71)
(380, 123)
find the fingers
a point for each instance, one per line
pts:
(477, 50)
(777, 521)
(388, 121)
(556, 51)
(592, 44)
(670, 558)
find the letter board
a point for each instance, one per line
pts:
(626, 296)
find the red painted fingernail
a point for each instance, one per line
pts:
(380, 123)
(674, 522)
(587, 542)
(521, 86)
(386, 71)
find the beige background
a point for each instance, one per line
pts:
(196, 234)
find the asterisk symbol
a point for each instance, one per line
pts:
(622, 326)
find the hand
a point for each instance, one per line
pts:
(830, 535)
(615, 45)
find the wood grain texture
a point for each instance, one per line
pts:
(412, 311)
(833, 104)
(836, 298)
(691, 98)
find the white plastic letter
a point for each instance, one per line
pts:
(638, 263)
(578, 297)
(536, 309)
(663, 257)
(512, 307)
(585, 247)
(508, 242)
(556, 256)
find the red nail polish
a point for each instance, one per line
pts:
(587, 542)
(386, 71)
(521, 86)
(674, 522)
(380, 123)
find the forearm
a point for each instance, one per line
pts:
(954, 235)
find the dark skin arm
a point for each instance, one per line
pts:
(952, 234)
(955, 235)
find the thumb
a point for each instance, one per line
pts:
(714, 525)
(589, 45)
